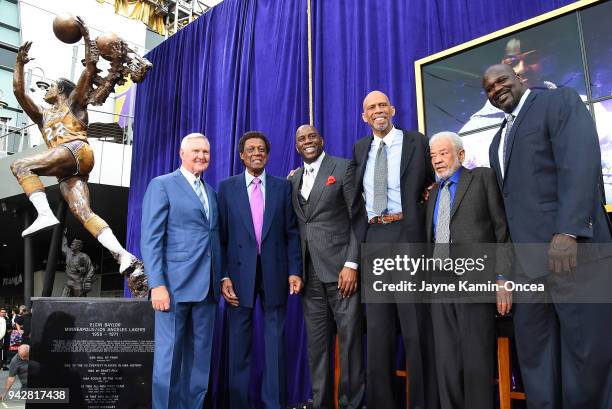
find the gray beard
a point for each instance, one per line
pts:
(381, 128)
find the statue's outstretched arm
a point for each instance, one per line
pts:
(29, 106)
(85, 84)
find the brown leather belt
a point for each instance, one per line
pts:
(386, 218)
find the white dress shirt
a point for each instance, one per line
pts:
(191, 178)
(500, 150)
(394, 141)
(309, 177)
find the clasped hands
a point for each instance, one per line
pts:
(347, 283)
(227, 289)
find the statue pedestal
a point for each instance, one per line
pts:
(101, 349)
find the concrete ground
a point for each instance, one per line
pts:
(10, 404)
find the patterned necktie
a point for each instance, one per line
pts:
(197, 186)
(257, 211)
(307, 181)
(443, 221)
(509, 122)
(380, 180)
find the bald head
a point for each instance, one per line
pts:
(24, 352)
(308, 143)
(378, 113)
(499, 69)
(503, 86)
(375, 95)
(306, 128)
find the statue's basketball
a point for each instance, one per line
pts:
(109, 45)
(66, 28)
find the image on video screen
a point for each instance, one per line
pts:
(546, 56)
(597, 33)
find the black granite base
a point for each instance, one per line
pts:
(101, 349)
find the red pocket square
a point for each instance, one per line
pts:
(330, 181)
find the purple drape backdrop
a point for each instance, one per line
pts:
(244, 66)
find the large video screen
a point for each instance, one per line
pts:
(567, 51)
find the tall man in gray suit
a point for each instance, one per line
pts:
(323, 194)
(465, 207)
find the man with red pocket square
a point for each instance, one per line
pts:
(323, 194)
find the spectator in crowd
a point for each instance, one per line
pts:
(5, 323)
(18, 368)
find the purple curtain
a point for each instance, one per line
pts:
(364, 45)
(244, 66)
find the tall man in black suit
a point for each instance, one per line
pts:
(465, 206)
(392, 170)
(323, 194)
(548, 164)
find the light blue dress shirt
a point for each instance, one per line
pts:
(394, 141)
(191, 178)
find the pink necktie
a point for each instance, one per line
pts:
(257, 211)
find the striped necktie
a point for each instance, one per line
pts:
(197, 186)
(443, 222)
(509, 123)
(380, 180)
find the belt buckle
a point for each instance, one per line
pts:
(382, 219)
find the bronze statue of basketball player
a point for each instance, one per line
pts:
(79, 269)
(69, 157)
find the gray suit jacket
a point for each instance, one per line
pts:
(477, 214)
(326, 231)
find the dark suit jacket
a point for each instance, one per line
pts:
(416, 174)
(477, 213)
(553, 181)
(179, 246)
(280, 241)
(325, 229)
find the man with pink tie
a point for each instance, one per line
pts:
(261, 258)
